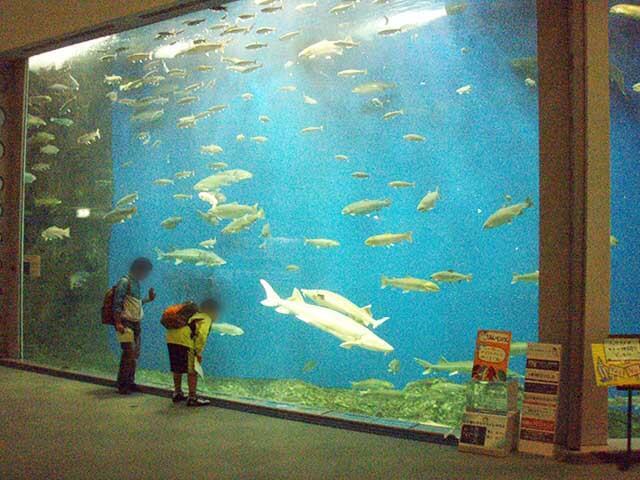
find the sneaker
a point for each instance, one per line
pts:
(197, 402)
(178, 397)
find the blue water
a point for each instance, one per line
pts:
(624, 37)
(479, 148)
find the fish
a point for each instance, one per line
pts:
(59, 87)
(625, 10)
(266, 231)
(219, 26)
(360, 175)
(287, 88)
(78, 280)
(47, 202)
(351, 333)
(429, 201)
(217, 165)
(204, 47)
(64, 122)
(184, 174)
(305, 6)
(453, 368)
(272, 9)
(321, 242)
(194, 22)
(29, 178)
(237, 61)
(191, 255)
(89, 138)
(613, 241)
(64, 108)
(292, 268)
(41, 167)
(342, 158)
(338, 303)
(507, 214)
(212, 199)
(119, 214)
(414, 137)
(187, 122)
(223, 329)
(139, 57)
(211, 149)
(309, 366)
(228, 211)
(264, 119)
(49, 150)
(208, 243)
(289, 35)
(388, 32)
(312, 129)
(341, 7)
(112, 79)
(108, 58)
(347, 42)
(55, 233)
(187, 99)
(450, 276)
(35, 121)
(366, 207)
(113, 96)
(43, 137)
(258, 139)
(351, 72)
(171, 222)
(222, 179)
(518, 349)
(148, 116)
(617, 77)
(256, 45)
(132, 85)
(321, 49)
(373, 87)
(465, 90)
(246, 68)
(401, 184)
(388, 239)
(163, 182)
(636, 87)
(40, 99)
(127, 199)
(409, 284)
(243, 222)
(376, 102)
(182, 196)
(246, 96)
(372, 384)
(394, 366)
(393, 114)
(531, 277)
(530, 82)
(265, 30)
(309, 100)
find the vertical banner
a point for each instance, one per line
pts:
(491, 359)
(540, 405)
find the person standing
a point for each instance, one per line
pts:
(127, 314)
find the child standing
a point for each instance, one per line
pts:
(186, 345)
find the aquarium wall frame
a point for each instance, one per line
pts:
(13, 78)
(575, 206)
(574, 186)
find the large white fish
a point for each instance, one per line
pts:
(335, 323)
(226, 329)
(334, 301)
(324, 49)
(191, 255)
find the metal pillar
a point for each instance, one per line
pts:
(575, 206)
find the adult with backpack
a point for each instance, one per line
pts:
(188, 327)
(123, 308)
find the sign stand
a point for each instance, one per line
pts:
(628, 459)
(617, 364)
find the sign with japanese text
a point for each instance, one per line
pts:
(622, 349)
(614, 373)
(492, 355)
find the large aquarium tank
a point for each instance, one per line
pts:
(624, 71)
(356, 183)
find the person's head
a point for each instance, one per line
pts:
(210, 307)
(141, 268)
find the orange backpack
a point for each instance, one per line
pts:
(177, 316)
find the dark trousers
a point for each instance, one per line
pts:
(129, 357)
